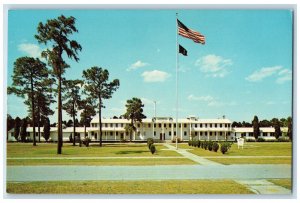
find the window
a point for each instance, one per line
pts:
(265, 134)
(122, 125)
(165, 125)
(210, 133)
(221, 133)
(205, 133)
(225, 125)
(111, 133)
(159, 125)
(250, 134)
(170, 125)
(174, 125)
(196, 133)
(179, 125)
(117, 133)
(216, 125)
(221, 125)
(210, 125)
(154, 125)
(106, 125)
(196, 126)
(206, 125)
(215, 133)
(174, 132)
(154, 133)
(200, 125)
(116, 125)
(184, 125)
(184, 133)
(170, 133)
(200, 133)
(111, 125)
(149, 125)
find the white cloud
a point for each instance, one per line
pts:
(213, 65)
(31, 50)
(283, 76)
(211, 101)
(136, 65)
(155, 76)
(264, 72)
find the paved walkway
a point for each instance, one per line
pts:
(94, 158)
(192, 157)
(47, 173)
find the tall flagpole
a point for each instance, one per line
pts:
(176, 81)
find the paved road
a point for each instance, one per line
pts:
(57, 173)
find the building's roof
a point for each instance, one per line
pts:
(243, 129)
(163, 119)
(262, 129)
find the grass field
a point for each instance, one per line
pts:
(26, 150)
(108, 150)
(256, 149)
(102, 162)
(130, 187)
(287, 183)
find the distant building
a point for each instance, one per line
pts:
(160, 128)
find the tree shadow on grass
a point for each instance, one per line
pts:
(131, 152)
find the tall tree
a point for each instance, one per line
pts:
(276, 125)
(47, 129)
(10, 122)
(23, 132)
(134, 112)
(88, 111)
(43, 100)
(27, 77)
(290, 128)
(99, 88)
(255, 124)
(72, 97)
(57, 32)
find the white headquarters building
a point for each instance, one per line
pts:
(161, 129)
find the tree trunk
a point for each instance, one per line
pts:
(74, 124)
(59, 130)
(39, 118)
(32, 111)
(100, 122)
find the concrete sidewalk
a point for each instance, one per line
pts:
(167, 172)
(192, 156)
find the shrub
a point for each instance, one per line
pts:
(250, 140)
(190, 142)
(150, 141)
(198, 144)
(225, 146)
(210, 145)
(260, 139)
(202, 144)
(205, 145)
(86, 141)
(215, 146)
(152, 148)
(283, 139)
(71, 138)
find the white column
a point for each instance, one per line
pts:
(181, 130)
(172, 129)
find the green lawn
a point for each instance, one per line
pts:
(24, 150)
(103, 162)
(287, 183)
(250, 149)
(108, 150)
(130, 187)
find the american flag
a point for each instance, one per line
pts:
(189, 33)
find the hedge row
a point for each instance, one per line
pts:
(151, 146)
(211, 145)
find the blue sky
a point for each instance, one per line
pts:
(244, 69)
